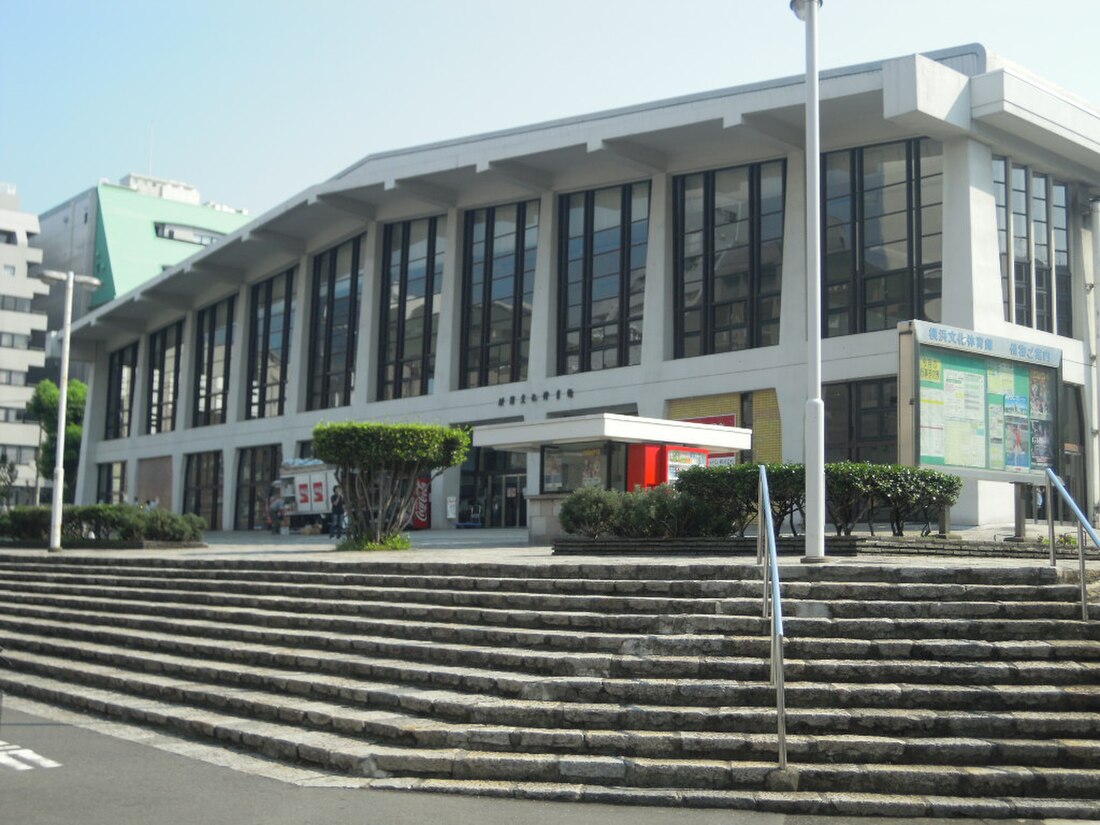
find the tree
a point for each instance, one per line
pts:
(8, 473)
(378, 466)
(43, 408)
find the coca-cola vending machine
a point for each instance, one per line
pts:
(422, 508)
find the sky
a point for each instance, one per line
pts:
(253, 101)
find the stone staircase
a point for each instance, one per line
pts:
(911, 691)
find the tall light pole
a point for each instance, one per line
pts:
(807, 10)
(70, 280)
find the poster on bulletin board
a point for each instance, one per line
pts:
(977, 405)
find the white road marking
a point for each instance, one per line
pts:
(23, 759)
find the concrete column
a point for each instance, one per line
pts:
(1089, 269)
(236, 404)
(230, 457)
(792, 317)
(971, 255)
(95, 412)
(366, 343)
(297, 365)
(448, 340)
(140, 408)
(658, 345)
(185, 398)
(542, 362)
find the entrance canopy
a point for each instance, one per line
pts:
(529, 437)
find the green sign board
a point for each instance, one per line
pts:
(977, 405)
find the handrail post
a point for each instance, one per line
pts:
(1050, 522)
(1081, 565)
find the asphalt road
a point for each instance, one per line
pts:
(57, 773)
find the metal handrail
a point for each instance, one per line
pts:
(765, 543)
(1083, 526)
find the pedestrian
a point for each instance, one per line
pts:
(275, 508)
(336, 529)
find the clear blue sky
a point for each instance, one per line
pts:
(254, 100)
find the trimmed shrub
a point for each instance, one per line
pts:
(728, 490)
(104, 522)
(591, 511)
(721, 501)
(663, 512)
(378, 466)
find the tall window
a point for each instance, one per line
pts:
(121, 368)
(334, 319)
(213, 353)
(602, 265)
(271, 315)
(164, 377)
(728, 258)
(882, 236)
(257, 471)
(411, 284)
(861, 421)
(1033, 235)
(202, 487)
(498, 290)
(110, 485)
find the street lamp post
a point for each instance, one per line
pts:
(70, 280)
(807, 10)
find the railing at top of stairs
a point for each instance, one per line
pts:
(1083, 526)
(767, 557)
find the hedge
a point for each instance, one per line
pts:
(107, 522)
(721, 501)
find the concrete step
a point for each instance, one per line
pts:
(176, 636)
(356, 755)
(1026, 572)
(219, 662)
(338, 632)
(548, 602)
(985, 628)
(344, 585)
(409, 730)
(448, 705)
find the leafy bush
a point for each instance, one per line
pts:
(107, 522)
(31, 523)
(729, 490)
(721, 501)
(663, 512)
(401, 541)
(591, 511)
(849, 494)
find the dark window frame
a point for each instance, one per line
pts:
(258, 468)
(120, 410)
(917, 275)
(111, 483)
(708, 326)
(210, 407)
(259, 391)
(393, 357)
(626, 345)
(160, 409)
(203, 482)
(848, 436)
(326, 388)
(521, 312)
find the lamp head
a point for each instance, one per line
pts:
(799, 7)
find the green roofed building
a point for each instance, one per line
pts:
(126, 233)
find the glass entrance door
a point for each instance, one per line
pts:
(507, 505)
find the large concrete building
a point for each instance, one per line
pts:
(22, 342)
(646, 260)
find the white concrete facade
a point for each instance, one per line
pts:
(976, 105)
(20, 351)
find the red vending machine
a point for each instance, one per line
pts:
(648, 465)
